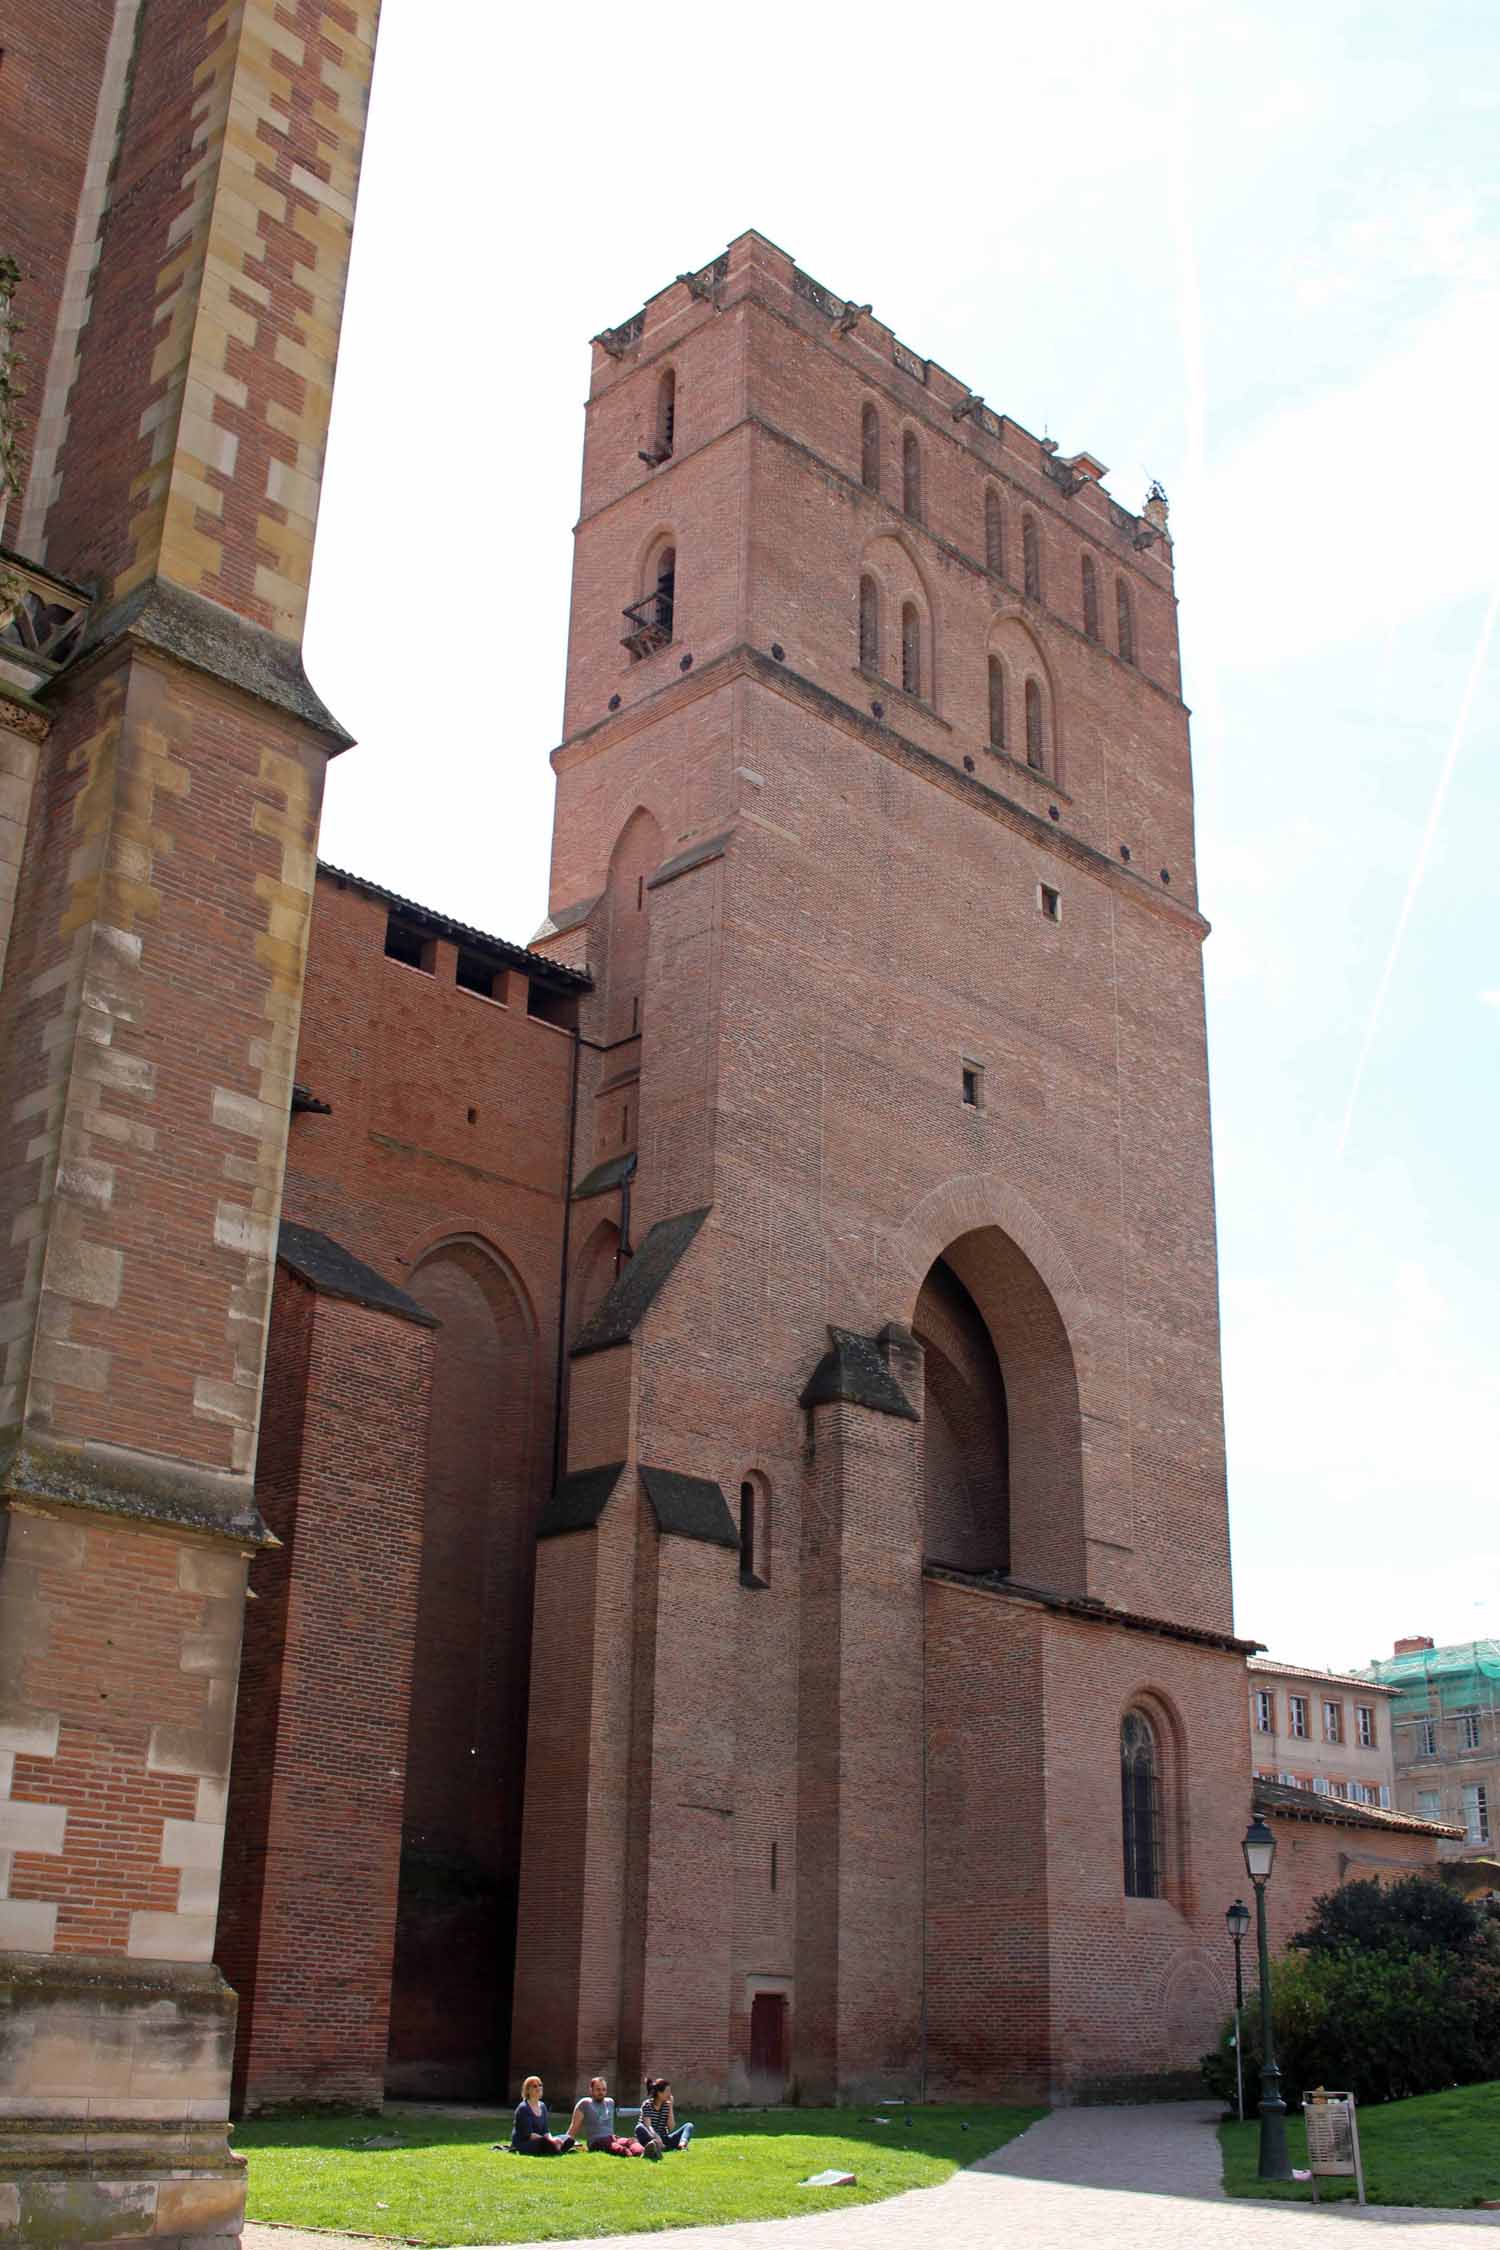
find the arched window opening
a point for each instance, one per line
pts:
(869, 625)
(911, 474)
(1140, 1805)
(1031, 559)
(994, 533)
(997, 704)
(755, 1535)
(649, 621)
(1090, 598)
(666, 415)
(1126, 620)
(1036, 744)
(911, 649)
(869, 449)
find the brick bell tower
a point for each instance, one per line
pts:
(887, 1730)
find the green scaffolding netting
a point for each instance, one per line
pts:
(1462, 1677)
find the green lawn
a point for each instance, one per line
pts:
(446, 2185)
(1439, 2150)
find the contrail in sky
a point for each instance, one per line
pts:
(1424, 853)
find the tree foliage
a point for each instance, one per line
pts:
(1391, 1990)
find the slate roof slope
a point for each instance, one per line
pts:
(336, 1272)
(641, 1283)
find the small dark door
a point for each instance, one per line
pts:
(768, 2045)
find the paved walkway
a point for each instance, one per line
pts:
(1083, 2179)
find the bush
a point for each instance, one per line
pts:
(1387, 1993)
(1420, 1914)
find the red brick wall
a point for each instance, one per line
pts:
(1314, 1857)
(327, 1831)
(466, 1211)
(53, 59)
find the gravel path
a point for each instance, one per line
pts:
(1145, 2178)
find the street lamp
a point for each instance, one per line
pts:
(1260, 1858)
(1237, 1922)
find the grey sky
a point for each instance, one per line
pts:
(1255, 253)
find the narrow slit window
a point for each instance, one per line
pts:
(666, 590)
(911, 474)
(1036, 740)
(1050, 902)
(1090, 598)
(911, 649)
(1126, 617)
(869, 625)
(755, 1534)
(994, 533)
(973, 1085)
(869, 449)
(774, 1857)
(666, 415)
(997, 704)
(1031, 559)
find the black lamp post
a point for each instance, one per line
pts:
(1260, 1858)
(1237, 1922)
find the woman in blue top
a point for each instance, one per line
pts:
(529, 2135)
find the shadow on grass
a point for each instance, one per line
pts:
(442, 2183)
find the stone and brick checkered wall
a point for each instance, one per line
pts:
(181, 181)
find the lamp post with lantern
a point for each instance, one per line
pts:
(1260, 1857)
(1237, 1922)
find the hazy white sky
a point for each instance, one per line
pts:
(1254, 252)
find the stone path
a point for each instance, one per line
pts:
(1083, 2179)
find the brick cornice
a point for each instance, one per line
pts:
(747, 662)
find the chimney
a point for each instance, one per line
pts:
(1411, 1647)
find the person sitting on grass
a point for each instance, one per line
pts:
(659, 2119)
(594, 2124)
(529, 2135)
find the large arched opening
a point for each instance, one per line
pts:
(1002, 1437)
(461, 1829)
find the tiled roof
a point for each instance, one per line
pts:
(1306, 1804)
(536, 965)
(1311, 1672)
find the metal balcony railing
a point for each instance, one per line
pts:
(41, 622)
(648, 624)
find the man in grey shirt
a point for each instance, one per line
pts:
(594, 2124)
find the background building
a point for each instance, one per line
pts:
(1329, 1732)
(1446, 1727)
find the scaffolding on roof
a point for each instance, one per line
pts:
(1465, 1676)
